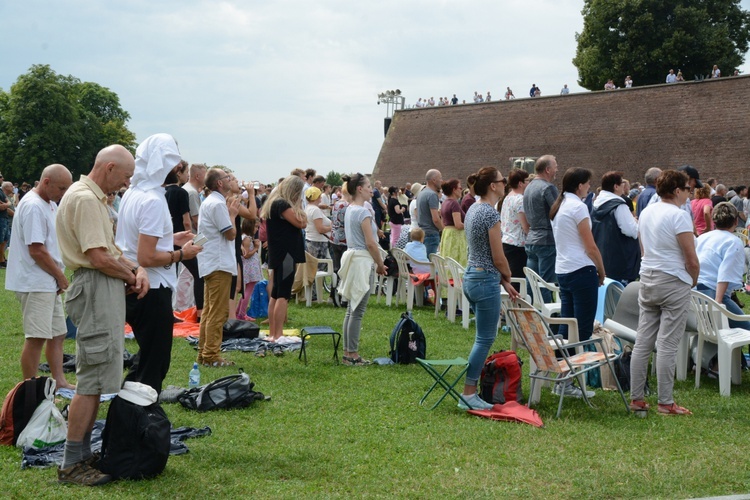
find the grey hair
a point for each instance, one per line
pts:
(724, 215)
(652, 174)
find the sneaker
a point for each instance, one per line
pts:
(82, 474)
(572, 391)
(474, 403)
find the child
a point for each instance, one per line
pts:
(417, 251)
(251, 271)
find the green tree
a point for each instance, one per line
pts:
(647, 38)
(333, 178)
(49, 118)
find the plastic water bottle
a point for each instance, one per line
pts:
(194, 378)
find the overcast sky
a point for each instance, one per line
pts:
(267, 86)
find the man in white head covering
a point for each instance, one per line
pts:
(144, 233)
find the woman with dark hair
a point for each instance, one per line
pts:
(469, 198)
(453, 240)
(513, 224)
(285, 220)
(395, 214)
(487, 270)
(578, 264)
(356, 264)
(669, 269)
(616, 230)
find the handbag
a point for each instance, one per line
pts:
(47, 426)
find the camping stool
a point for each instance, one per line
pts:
(320, 330)
(432, 366)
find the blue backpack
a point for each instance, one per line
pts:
(259, 301)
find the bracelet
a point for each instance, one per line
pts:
(135, 269)
(182, 255)
(171, 256)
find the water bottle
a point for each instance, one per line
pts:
(194, 378)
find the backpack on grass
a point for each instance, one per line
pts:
(500, 381)
(19, 407)
(136, 438)
(407, 341)
(233, 391)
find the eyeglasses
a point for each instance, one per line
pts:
(501, 180)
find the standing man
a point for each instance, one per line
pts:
(739, 203)
(671, 77)
(428, 210)
(377, 204)
(95, 301)
(194, 187)
(145, 235)
(652, 174)
(217, 263)
(538, 198)
(36, 274)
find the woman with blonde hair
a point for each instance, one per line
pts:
(285, 220)
(702, 208)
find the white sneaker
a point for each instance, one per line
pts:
(474, 403)
(572, 391)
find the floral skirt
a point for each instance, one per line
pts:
(453, 244)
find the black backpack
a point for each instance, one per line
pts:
(233, 391)
(407, 341)
(135, 440)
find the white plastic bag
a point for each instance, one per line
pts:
(47, 426)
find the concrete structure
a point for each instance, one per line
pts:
(704, 124)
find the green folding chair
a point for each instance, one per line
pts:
(432, 366)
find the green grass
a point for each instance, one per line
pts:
(336, 431)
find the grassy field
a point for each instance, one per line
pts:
(336, 431)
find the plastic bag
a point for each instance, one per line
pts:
(47, 426)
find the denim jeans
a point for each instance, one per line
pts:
(431, 243)
(579, 294)
(729, 303)
(482, 288)
(541, 260)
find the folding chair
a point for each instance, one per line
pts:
(550, 354)
(320, 330)
(432, 366)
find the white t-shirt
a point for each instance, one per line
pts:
(147, 213)
(658, 227)
(413, 212)
(311, 234)
(218, 252)
(571, 253)
(722, 259)
(34, 222)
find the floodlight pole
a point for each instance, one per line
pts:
(393, 101)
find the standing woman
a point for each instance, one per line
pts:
(357, 262)
(513, 223)
(702, 209)
(669, 269)
(486, 271)
(285, 220)
(453, 240)
(578, 265)
(395, 214)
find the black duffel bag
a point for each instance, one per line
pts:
(238, 329)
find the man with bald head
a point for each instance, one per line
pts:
(35, 273)
(95, 301)
(428, 210)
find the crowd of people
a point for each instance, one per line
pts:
(127, 228)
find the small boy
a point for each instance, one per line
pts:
(417, 251)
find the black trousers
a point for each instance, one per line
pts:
(192, 266)
(152, 322)
(516, 261)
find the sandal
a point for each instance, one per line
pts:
(261, 351)
(277, 350)
(673, 409)
(639, 405)
(358, 361)
(219, 363)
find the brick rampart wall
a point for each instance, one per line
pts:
(705, 124)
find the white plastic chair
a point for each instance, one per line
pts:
(713, 326)
(384, 284)
(443, 282)
(320, 275)
(406, 287)
(537, 283)
(457, 273)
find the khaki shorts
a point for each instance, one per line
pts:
(96, 304)
(43, 316)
